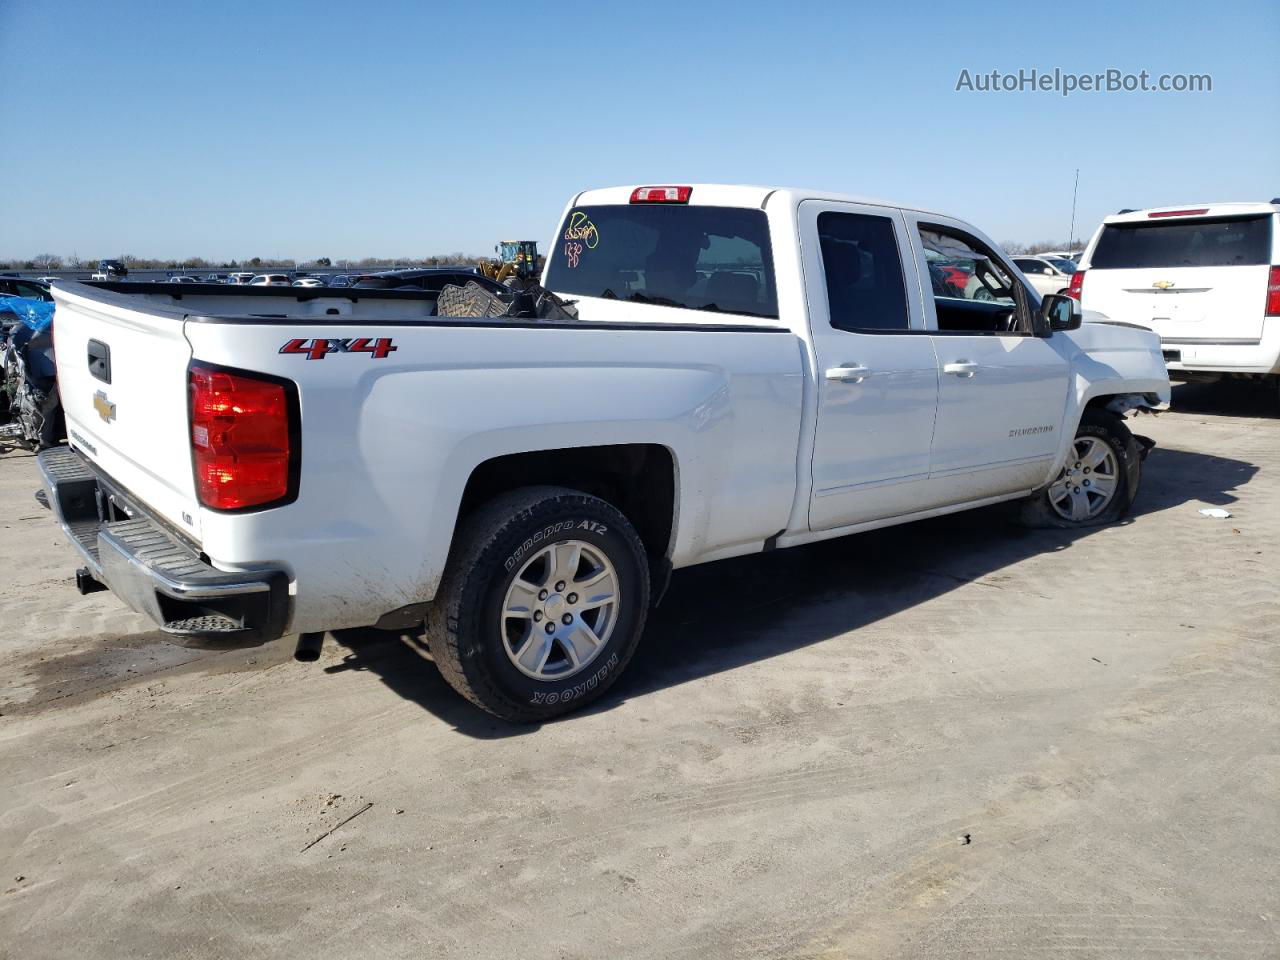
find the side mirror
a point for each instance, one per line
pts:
(1058, 312)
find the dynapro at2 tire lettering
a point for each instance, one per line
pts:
(547, 536)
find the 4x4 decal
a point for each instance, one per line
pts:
(317, 348)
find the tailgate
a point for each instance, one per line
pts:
(1185, 276)
(1199, 303)
(122, 378)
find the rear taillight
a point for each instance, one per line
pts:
(243, 440)
(661, 194)
(1273, 292)
(1177, 213)
(1075, 290)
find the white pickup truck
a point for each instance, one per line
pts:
(748, 369)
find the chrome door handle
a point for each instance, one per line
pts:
(962, 368)
(849, 373)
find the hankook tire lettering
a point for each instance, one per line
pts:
(578, 689)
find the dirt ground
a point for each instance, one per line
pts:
(953, 739)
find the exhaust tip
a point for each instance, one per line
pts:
(308, 648)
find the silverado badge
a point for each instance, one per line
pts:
(106, 409)
(1163, 284)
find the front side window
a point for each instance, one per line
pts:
(865, 289)
(715, 259)
(1030, 266)
(984, 301)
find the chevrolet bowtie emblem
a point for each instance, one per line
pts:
(106, 409)
(1163, 284)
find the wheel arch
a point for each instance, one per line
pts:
(640, 479)
(1120, 402)
(1109, 398)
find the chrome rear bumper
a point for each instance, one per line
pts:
(153, 570)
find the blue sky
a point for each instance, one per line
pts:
(406, 129)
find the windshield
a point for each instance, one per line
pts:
(700, 258)
(1218, 242)
(1066, 266)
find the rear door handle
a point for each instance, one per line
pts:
(961, 368)
(849, 373)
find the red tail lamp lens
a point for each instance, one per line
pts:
(1075, 289)
(240, 439)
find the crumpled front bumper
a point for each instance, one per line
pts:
(153, 570)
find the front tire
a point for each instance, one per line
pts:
(542, 604)
(1098, 482)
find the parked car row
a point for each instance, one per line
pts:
(425, 278)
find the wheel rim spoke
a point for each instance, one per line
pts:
(1104, 485)
(535, 650)
(548, 557)
(1079, 504)
(566, 558)
(580, 642)
(521, 599)
(599, 591)
(1094, 454)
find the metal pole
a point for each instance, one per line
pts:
(1071, 237)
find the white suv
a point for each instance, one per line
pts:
(1204, 277)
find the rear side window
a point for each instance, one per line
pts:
(860, 258)
(32, 291)
(1219, 242)
(701, 258)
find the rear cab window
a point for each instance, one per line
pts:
(865, 289)
(714, 259)
(1209, 242)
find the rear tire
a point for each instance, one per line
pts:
(1103, 451)
(542, 604)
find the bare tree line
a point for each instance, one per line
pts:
(1014, 248)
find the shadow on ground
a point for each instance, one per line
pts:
(1228, 398)
(723, 615)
